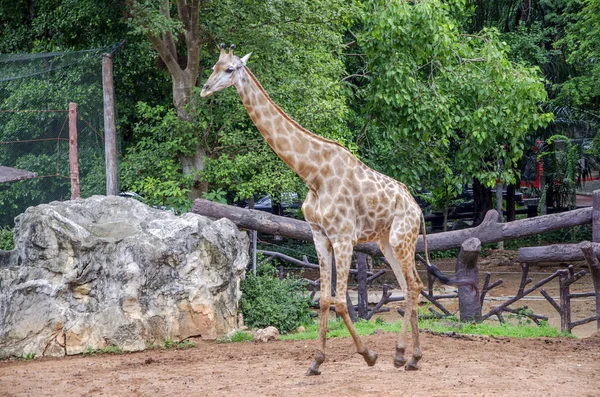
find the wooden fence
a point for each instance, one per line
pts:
(468, 241)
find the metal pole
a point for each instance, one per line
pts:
(110, 135)
(73, 158)
(254, 232)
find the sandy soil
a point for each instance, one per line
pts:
(451, 366)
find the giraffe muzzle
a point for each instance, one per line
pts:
(205, 91)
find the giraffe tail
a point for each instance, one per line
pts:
(435, 271)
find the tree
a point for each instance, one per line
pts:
(182, 60)
(445, 107)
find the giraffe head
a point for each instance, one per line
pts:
(226, 71)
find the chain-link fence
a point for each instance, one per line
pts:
(35, 91)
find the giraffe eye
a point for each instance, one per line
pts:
(229, 70)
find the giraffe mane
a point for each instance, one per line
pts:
(288, 118)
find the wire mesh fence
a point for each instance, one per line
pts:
(35, 91)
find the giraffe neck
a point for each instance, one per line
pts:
(300, 149)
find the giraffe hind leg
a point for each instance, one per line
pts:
(401, 259)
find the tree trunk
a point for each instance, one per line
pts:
(482, 201)
(190, 164)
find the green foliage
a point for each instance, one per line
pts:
(218, 196)
(582, 40)
(451, 253)
(6, 238)
(445, 106)
(561, 170)
(267, 301)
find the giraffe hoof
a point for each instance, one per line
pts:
(399, 362)
(399, 359)
(411, 366)
(312, 371)
(370, 357)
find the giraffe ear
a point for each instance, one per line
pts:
(245, 58)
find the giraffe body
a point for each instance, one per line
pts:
(347, 203)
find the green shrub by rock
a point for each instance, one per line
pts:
(267, 300)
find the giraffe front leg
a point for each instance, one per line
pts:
(323, 248)
(417, 354)
(324, 304)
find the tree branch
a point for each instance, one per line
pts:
(168, 35)
(165, 55)
(192, 35)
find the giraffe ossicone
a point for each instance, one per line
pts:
(347, 203)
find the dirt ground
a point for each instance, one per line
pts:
(451, 366)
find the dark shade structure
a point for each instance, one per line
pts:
(8, 174)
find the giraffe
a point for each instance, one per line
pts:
(347, 203)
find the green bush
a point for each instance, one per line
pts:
(6, 239)
(267, 300)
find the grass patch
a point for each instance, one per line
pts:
(337, 329)
(106, 350)
(170, 344)
(237, 336)
(496, 329)
(181, 345)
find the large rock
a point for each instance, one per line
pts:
(110, 271)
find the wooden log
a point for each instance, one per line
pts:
(488, 231)
(491, 231)
(555, 253)
(466, 269)
(265, 222)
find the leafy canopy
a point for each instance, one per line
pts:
(446, 107)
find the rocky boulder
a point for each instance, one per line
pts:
(111, 271)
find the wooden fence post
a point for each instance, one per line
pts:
(596, 216)
(467, 269)
(565, 302)
(595, 267)
(73, 158)
(110, 135)
(361, 276)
